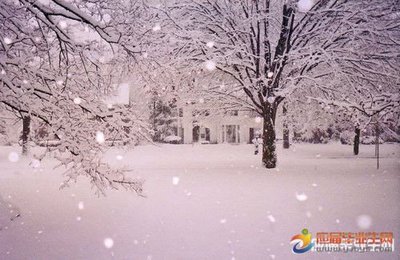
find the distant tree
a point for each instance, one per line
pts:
(369, 91)
(163, 117)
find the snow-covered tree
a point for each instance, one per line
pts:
(59, 60)
(371, 99)
(272, 48)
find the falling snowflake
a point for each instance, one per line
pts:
(100, 137)
(78, 218)
(271, 100)
(210, 65)
(156, 27)
(35, 163)
(308, 214)
(305, 5)
(201, 100)
(175, 180)
(7, 40)
(63, 24)
(258, 119)
(3, 72)
(222, 221)
(77, 100)
(270, 74)
(314, 185)
(59, 82)
(320, 208)
(40, 231)
(272, 256)
(301, 197)
(145, 55)
(109, 106)
(271, 218)
(81, 206)
(119, 157)
(210, 44)
(13, 157)
(364, 221)
(337, 221)
(25, 81)
(108, 243)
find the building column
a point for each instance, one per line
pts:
(244, 134)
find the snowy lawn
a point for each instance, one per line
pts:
(203, 202)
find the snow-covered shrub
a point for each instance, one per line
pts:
(3, 133)
(370, 140)
(173, 139)
(3, 139)
(347, 137)
(315, 136)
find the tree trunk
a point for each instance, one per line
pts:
(377, 132)
(357, 140)
(269, 148)
(26, 122)
(286, 142)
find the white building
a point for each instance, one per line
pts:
(196, 126)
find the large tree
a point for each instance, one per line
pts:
(271, 49)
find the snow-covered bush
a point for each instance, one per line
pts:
(347, 137)
(3, 140)
(316, 136)
(370, 140)
(173, 139)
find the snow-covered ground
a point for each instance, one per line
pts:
(203, 202)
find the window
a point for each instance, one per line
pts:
(232, 112)
(230, 133)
